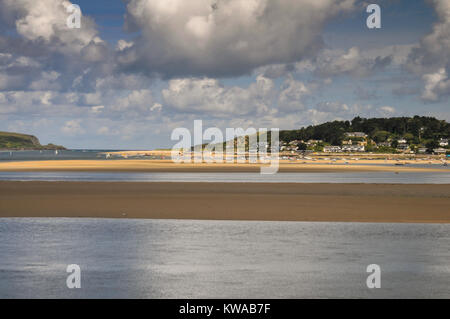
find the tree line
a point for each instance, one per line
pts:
(416, 129)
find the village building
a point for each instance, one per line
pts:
(403, 147)
(440, 150)
(356, 134)
(332, 149)
(347, 142)
(384, 144)
(422, 150)
(295, 142)
(353, 148)
(313, 142)
(362, 143)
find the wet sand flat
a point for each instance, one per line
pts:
(228, 201)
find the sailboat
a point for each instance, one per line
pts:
(56, 152)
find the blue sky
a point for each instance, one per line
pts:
(137, 69)
(108, 15)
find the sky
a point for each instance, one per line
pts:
(138, 69)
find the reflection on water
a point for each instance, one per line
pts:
(343, 177)
(205, 259)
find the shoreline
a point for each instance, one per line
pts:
(168, 166)
(373, 203)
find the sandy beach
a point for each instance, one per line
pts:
(132, 165)
(228, 201)
(223, 201)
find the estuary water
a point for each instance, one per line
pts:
(46, 155)
(344, 177)
(211, 259)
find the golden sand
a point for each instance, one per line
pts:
(169, 166)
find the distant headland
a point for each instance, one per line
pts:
(18, 141)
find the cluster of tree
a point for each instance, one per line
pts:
(415, 129)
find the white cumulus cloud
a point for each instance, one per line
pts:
(431, 57)
(208, 96)
(224, 37)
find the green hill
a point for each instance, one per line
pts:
(15, 141)
(418, 129)
(380, 134)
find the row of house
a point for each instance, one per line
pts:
(344, 148)
(292, 146)
(440, 150)
(349, 145)
(404, 147)
(357, 142)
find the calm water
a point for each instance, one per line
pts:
(50, 155)
(205, 259)
(47, 155)
(442, 177)
(347, 177)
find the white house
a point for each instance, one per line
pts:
(356, 134)
(332, 149)
(440, 150)
(353, 148)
